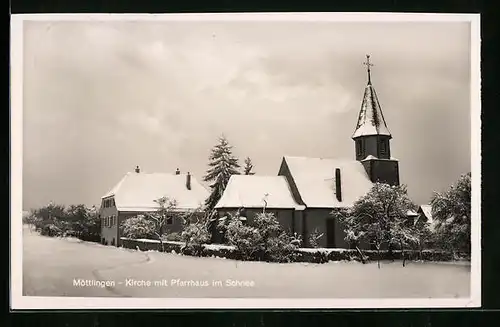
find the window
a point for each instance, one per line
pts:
(170, 220)
(383, 147)
(108, 203)
(359, 148)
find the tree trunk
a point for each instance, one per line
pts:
(378, 256)
(403, 254)
(161, 242)
(391, 252)
(363, 260)
(420, 252)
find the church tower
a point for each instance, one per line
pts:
(372, 138)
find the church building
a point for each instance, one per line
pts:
(305, 190)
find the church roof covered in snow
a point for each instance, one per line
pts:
(250, 191)
(137, 191)
(371, 120)
(315, 180)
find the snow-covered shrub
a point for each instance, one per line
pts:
(314, 238)
(296, 240)
(281, 248)
(222, 225)
(174, 236)
(264, 239)
(246, 239)
(268, 225)
(138, 227)
(51, 230)
(194, 236)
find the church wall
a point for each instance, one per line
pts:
(313, 218)
(298, 214)
(316, 219)
(284, 216)
(385, 171)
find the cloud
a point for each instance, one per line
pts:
(102, 97)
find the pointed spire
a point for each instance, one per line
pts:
(371, 120)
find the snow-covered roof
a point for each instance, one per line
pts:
(314, 178)
(427, 210)
(371, 120)
(250, 191)
(372, 157)
(369, 157)
(137, 191)
(411, 213)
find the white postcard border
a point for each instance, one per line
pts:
(18, 301)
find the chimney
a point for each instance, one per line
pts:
(338, 185)
(137, 169)
(177, 171)
(188, 181)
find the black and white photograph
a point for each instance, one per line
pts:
(290, 160)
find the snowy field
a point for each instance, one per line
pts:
(52, 267)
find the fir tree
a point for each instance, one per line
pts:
(247, 170)
(222, 165)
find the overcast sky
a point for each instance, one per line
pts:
(103, 97)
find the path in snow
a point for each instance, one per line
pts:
(50, 265)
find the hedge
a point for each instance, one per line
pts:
(302, 255)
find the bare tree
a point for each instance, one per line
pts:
(167, 210)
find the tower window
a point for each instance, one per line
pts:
(383, 147)
(359, 148)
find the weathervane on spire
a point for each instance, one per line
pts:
(368, 64)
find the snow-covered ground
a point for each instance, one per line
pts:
(51, 264)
